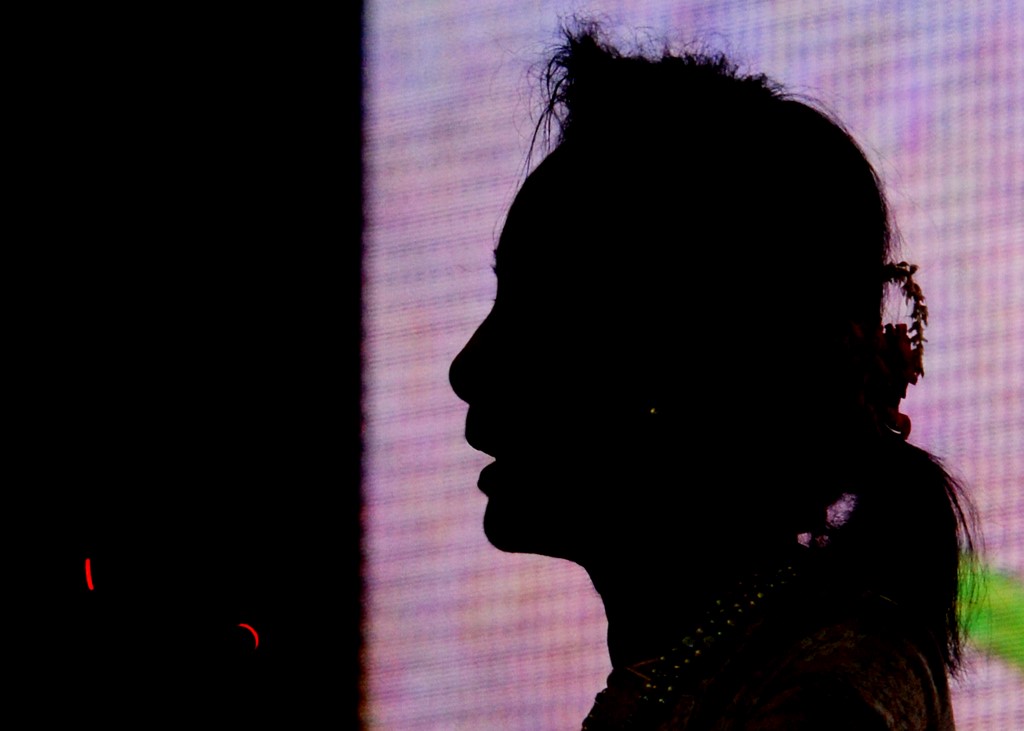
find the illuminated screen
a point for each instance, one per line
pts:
(461, 636)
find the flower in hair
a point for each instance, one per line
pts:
(890, 357)
(904, 274)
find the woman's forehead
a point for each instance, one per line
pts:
(535, 216)
(553, 215)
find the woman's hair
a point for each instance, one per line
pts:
(734, 210)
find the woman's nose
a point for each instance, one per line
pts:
(464, 370)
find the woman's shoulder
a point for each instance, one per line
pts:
(859, 664)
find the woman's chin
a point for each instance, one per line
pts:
(507, 528)
(513, 527)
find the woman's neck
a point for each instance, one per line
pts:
(651, 602)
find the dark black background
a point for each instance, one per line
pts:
(181, 286)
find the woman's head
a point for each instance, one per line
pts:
(696, 243)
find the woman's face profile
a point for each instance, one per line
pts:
(551, 396)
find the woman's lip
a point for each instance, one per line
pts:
(488, 475)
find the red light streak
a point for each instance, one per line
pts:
(88, 574)
(256, 636)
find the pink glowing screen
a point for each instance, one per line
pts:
(461, 636)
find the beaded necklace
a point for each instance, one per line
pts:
(643, 695)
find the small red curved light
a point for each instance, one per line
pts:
(255, 636)
(88, 574)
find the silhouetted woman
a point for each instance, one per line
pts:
(687, 388)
